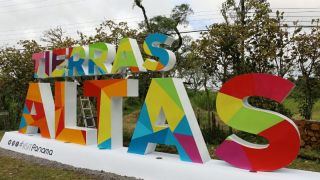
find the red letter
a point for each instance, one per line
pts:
(280, 131)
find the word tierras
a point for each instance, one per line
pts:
(102, 58)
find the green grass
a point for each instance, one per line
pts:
(293, 106)
(12, 168)
(131, 105)
(308, 154)
(307, 165)
(307, 160)
(316, 111)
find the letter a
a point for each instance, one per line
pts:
(167, 100)
(38, 111)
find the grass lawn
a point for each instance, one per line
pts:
(12, 168)
(1, 134)
(307, 165)
(293, 106)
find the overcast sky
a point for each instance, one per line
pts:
(27, 19)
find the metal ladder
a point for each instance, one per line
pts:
(87, 114)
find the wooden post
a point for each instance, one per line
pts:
(209, 121)
(213, 121)
(198, 116)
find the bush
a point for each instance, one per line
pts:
(201, 100)
(267, 104)
(213, 135)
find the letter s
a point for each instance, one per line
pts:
(167, 58)
(234, 109)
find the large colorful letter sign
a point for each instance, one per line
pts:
(151, 46)
(59, 62)
(66, 116)
(38, 111)
(41, 64)
(76, 61)
(109, 95)
(101, 57)
(280, 131)
(128, 56)
(167, 116)
(168, 100)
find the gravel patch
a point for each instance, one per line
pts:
(54, 164)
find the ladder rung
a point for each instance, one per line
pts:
(87, 112)
(86, 108)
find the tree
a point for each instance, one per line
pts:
(146, 20)
(220, 50)
(306, 53)
(188, 65)
(110, 32)
(283, 62)
(167, 25)
(55, 38)
(16, 71)
(258, 35)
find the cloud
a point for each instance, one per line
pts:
(22, 19)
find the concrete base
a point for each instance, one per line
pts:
(152, 166)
